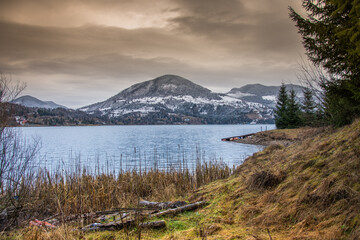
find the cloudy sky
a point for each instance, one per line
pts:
(78, 52)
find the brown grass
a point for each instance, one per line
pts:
(307, 190)
(264, 180)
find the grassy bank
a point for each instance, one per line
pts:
(308, 190)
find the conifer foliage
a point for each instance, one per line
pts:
(287, 111)
(331, 37)
(291, 113)
(281, 118)
(308, 107)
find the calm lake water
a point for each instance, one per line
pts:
(111, 148)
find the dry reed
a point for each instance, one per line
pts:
(67, 193)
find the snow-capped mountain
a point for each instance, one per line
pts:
(29, 101)
(265, 95)
(176, 98)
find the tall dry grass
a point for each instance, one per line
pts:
(65, 193)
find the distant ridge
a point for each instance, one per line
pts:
(259, 89)
(29, 101)
(262, 94)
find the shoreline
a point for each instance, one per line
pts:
(283, 137)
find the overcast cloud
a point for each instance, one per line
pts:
(80, 52)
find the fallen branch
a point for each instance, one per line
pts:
(117, 225)
(156, 224)
(178, 210)
(162, 205)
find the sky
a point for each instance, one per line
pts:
(78, 52)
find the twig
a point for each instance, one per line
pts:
(268, 231)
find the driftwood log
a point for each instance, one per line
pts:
(162, 205)
(156, 224)
(124, 223)
(178, 210)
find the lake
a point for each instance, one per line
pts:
(111, 148)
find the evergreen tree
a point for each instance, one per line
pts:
(308, 107)
(281, 118)
(293, 111)
(331, 36)
(308, 103)
(340, 107)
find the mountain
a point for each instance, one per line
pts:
(167, 85)
(262, 94)
(29, 101)
(173, 99)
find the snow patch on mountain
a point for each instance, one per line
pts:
(224, 100)
(240, 94)
(269, 98)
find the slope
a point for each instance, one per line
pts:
(164, 86)
(308, 190)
